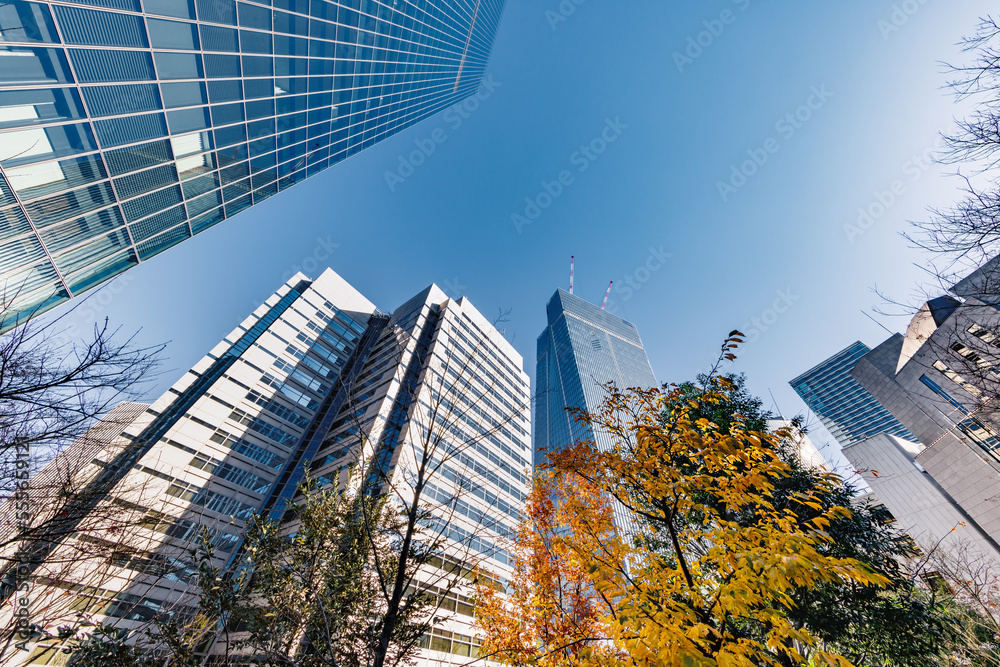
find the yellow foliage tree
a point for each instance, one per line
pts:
(699, 568)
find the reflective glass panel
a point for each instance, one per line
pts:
(19, 108)
(165, 34)
(26, 22)
(182, 9)
(21, 65)
(38, 143)
(185, 120)
(178, 65)
(183, 94)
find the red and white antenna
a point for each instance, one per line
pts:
(607, 294)
(571, 274)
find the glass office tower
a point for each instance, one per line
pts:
(582, 348)
(843, 406)
(127, 126)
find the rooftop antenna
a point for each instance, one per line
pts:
(571, 274)
(607, 294)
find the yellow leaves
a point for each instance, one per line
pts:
(715, 550)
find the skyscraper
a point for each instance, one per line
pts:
(843, 406)
(941, 381)
(582, 348)
(128, 126)
(313, 376)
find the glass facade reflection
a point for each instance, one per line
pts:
(128, 126)
(582, 348)
(843, 406)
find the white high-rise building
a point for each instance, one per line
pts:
(294, 384)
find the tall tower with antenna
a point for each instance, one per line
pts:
(582, 348)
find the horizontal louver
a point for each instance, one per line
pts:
(115, 100)
(127, 5)
(124, 160)
(130, 129)
(202, 204)
(79, 258)
(68, 234)
(164, 241)
(25, 250)
(13, 223)
(69, 204)
(99, 66)
(156, 224)
(101, 270)
(100, 28)
(134, 185)
(38, 180)
(152, 203)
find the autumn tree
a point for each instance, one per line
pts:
(552, 613)
(895, 624)
(721, 592)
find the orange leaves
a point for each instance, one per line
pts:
(702, 565)
(552, 615)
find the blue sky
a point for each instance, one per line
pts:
(831, 103)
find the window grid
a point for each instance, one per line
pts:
(335, 80)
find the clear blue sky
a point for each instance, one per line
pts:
(679, 124)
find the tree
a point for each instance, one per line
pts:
(321, 589)
(705, 570)
(306, 598)
(966, 587)
(452, 407)
(970, 231)
(52, 392)
(897, 624)
(734, 404)
(552, 613)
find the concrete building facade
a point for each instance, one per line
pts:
(313, 376)
(941, 381)
(847, 411)
(922, 509)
